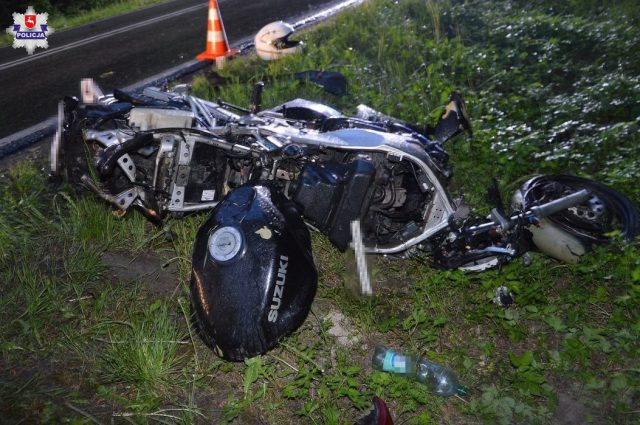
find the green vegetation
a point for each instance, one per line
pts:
(551, 87)
(67, 14)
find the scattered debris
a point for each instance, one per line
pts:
(503, 297)
(439, 379)
(378, 415)
(333, 82)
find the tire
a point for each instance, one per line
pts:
(78, 158)
(606, 211)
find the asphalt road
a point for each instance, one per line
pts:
(122, 50)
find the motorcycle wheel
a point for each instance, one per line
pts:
(78, 158)
(606, 211)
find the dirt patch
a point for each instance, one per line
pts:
(346, 334)
(157, 273)
(570, 411)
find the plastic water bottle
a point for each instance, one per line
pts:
(439, 379)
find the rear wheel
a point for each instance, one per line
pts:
(77, 159)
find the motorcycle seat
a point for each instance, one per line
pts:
(136, 98)
(140, 99)
(104, 111)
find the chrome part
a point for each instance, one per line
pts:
(195, 207)
(480, 265)
(560, 204)
(592, 211)
(499, 219)
(498, 250)
(198, 109)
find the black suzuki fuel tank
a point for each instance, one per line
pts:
(253, 278)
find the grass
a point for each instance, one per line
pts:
(143, 352)
(60, 21)
(550, 88)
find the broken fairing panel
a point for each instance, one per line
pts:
(555, 243)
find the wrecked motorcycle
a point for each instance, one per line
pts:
(368, 181)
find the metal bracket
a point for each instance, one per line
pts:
(185, 151)
(128, 166)
(122, 200)
(126, 198)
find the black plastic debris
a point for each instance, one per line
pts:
(333, 82)
(503, 297)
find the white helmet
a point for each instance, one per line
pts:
(272, 41)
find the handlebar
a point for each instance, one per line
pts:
(538, 211)
(560, 204)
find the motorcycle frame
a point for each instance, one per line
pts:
(271, 131)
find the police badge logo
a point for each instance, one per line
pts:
(30, 30)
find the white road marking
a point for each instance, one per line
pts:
(323, 14)
(85, 41)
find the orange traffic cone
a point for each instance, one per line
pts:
(217, 44)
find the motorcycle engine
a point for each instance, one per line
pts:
(332, 194)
